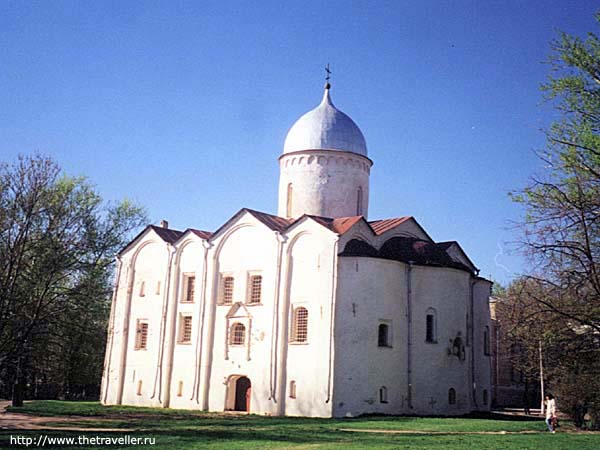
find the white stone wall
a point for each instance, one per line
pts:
(296, 269)
(142, 364)
(114, 343)
(434, 370)
(346, 297)
(324, 183)
(248, 248)
(483, 361)
(185, 356)
(126, 367)
(310, 285)
(361, 367)
(372, 291)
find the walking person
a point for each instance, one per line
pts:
(550, 412)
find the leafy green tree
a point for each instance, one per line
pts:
(561, 228)
(57, 243)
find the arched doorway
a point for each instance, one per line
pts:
(243, 393)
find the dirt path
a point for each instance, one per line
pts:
(359, 430)
(18, 421)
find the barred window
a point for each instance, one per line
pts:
(185, 330)
(300, 325)
(190, 288)
(227, 290)
(255, 288)
(238, 334)
(141, 335)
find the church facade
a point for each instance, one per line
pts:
(315, 311)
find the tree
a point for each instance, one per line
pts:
(570, 353)
(561, 228)
(57, 243)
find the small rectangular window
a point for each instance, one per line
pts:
(142, 289)
(383, 394)
(255, 289)
(486, 341)
(383, 335)
(141, 335)
(180, 389)
(300, 325)
(190, 288)
(292, 389)
(185, 330)
(227, 285)
(157, 292)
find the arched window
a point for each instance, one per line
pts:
(485, 397)
(359, 201)
(383, 335)
(486, 341)
(288, 208)
(451, 396)
(300, 325)
(431, 326)
(383, 394)
(458, 348)
(238, 334)
(292, 389)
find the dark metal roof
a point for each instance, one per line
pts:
(404, 249)
(275, 223)
(200, 233)
(338, 225)
(166, 234)
(408, 250)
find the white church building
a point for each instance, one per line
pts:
(316, 311)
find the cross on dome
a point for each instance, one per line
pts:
(327, 77)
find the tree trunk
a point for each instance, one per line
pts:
(18, 385)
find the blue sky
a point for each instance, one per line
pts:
(184, 106)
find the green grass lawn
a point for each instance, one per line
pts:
(182, 429)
